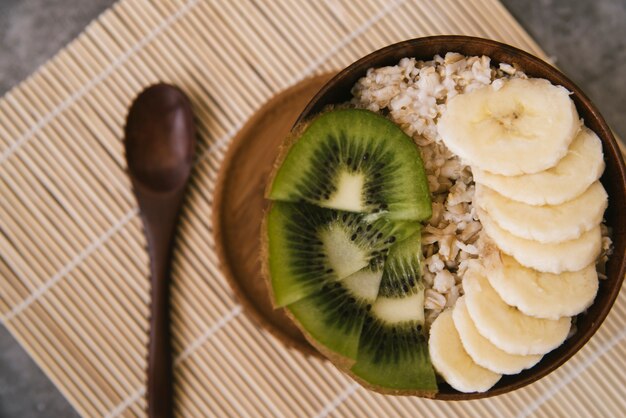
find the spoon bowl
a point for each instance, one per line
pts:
(158, 146)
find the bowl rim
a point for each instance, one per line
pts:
(452, 43)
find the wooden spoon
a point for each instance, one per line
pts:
(159, 142)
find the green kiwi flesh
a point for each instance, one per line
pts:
(343, 248)
(309, 247)
(335, 314)
(393, 350)
(355, 160)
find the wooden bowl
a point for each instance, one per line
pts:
(237, 219)
(337, 90)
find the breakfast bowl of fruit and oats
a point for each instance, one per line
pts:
(444, 219)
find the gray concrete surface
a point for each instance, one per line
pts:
(587, 38)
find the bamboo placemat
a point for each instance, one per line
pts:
(73, 268)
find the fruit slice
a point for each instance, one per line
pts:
(538, 294)
(545, 224)
(334, 315)
(393, 353)
(482, 351)
(452, 361)
(524, 127)
(402, 270)
(309, 246)
(355, 160)
(506, 327)
(572, 255)
(582, 165)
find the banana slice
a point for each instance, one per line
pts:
(537, 294)
(483, 352)
(572, 255)
(505, 326)
(583, 165)
(452, 362)
(545, 224)
(524, 127)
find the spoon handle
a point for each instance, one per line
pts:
(160, 224)
(160, 376)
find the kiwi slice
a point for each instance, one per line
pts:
(394, 357)
(393, 350)
(355, 160)
(334, 315)
(308, 247)
(403, 270)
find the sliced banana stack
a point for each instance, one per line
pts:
(541, 204)
(536, 170)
